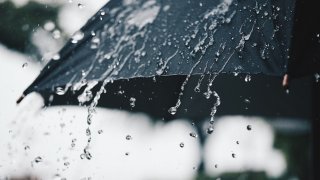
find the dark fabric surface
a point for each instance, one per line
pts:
(185, 37)
(305, 48)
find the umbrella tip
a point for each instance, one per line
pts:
(20, 98)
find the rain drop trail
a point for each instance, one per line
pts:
(161, 70)
(174, 109)
(215, 94)
(91, 110)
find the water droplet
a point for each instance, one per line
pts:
(24, 65)
(127, 153)
(100, 131)
(95, 42)
(216, 166)
(81, 6)
(88, 132)
(278, 8)
(60, 91)
(82, 156)
(77, 36)
(207, 94)
(132, 102)
(247, 101)
(38, 159)
(66, 163)
(266, 13)
(237, 142)
(172, 110)
(317, 77)
(56, 34)
(193, 134)
(128, 137)
(249, 127)
(73, 142)
(233, 155)
(26, 147)
(247, 78)
(107, 56)
(181, 145)
(287, 91)
(49, 26)
(56, 57)
(210, 130)
(102, 12)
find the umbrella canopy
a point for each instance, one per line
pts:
(170, 41)
(128, 39)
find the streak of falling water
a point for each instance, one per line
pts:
(173, 110)
(91, 110)
(213, 112)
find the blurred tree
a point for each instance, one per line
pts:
(17, 23)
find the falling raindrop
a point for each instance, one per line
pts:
(247, 101)
(132, 102)
(100, 131)
(249, 127)
(233, 155)
(80, 6)
(73, 142)
(287, 91)
(181, 145)
(88, 132)
(26, 147)
(317, 77)
(66, 163)
(60, 91)
(172, 110)
(24, 65)
(56, 34)
(102, 12)
(82, 156)
(107, 56)
(38, 159)
(127, 153)
(77, 36)
(193, 134)
(216, 166)
(247, 78)
(210, 130)
(56, 57)
(49, 26)
(237, 142)
(128, 137)
(95, 42)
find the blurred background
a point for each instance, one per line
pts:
(46, 143)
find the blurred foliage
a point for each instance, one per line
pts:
(17, 24)
(297, 151)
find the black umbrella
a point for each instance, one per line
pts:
(128, 39)
(160, 47)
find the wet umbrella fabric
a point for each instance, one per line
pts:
(128, 39)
